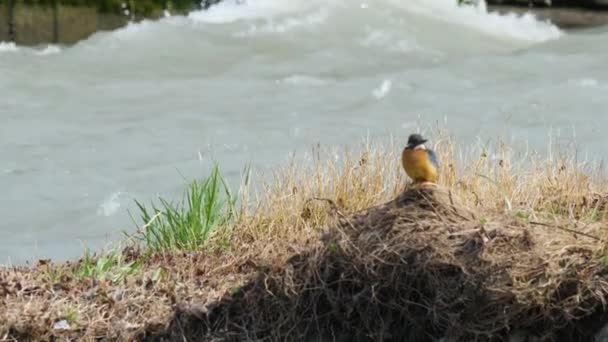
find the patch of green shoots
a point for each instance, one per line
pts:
(596, 215)
(111, 266)
(187, 225)
(523, 217)
(332, 247)
(71, 315)
(605, 261)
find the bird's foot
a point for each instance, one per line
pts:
(426, 184)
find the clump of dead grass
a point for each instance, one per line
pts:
(492, 178)
(419, 268)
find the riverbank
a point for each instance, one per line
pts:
(509, 244)
(564, 18)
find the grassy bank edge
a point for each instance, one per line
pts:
(296, 202)
(207, 218)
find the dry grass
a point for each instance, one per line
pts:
(419, 268)
(492, 179)
(560, 201)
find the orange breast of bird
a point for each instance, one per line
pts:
(418, 166)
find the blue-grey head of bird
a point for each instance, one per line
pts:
(415, 141)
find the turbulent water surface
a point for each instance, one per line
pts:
(124, 114)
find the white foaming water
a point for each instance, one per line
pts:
(524, 27)
(235, 10)
(49, 50)
(138, 108)
(8, 47)
(111, 204)
(587, 82)
(521, 27)
(287, 24)
(384, 88)
(301, 80)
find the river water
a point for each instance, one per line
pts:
(86, 129)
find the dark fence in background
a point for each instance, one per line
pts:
(31, 22)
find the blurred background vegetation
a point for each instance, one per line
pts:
(33, 22)
(138, 7)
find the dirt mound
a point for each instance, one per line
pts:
(419, 268)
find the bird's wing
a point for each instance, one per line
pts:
(433, 158)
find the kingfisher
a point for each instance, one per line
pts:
(419, 162)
